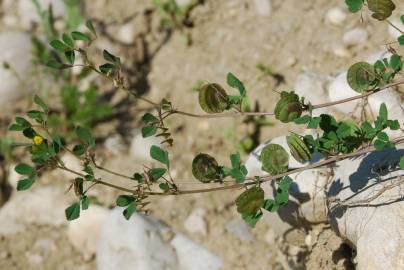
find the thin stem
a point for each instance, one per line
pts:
(108, 170)
(395, 27)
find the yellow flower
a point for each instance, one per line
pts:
(38, 140)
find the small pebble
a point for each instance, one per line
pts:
(263, 7)
(336, 16)
(355, 36)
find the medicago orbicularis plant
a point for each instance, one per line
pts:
(337, 140)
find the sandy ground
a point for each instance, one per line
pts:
(227, 36)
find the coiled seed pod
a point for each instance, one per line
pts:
(250, 201)
(298, 148)
(213, 98)
(361, 76)
(275, 159)
(288, 107)
(205, 168)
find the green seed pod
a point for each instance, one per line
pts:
(288, 107)
(361, 76)
(205, 168)
(382, 9)
(250, 201)
(275, 159)
(298, 148)
(213, 98)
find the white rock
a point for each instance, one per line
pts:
(313, 87)
(136, 244)
(16, 50)
(126, 33)
(241, 230)
(13, 176)
(341, 51)
(71, 162)
(140, 147)
(263, 7)
(192, 256)
(143, 243)
(84, 232)
(183, 2)
(29, 14)
(195, 222)
(394, 33)
(115, 144)
(336, 16)
(364, 215)
(39, 206)
(355, 36)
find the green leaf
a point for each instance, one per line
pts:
(282, 197)
(157, 173)
(80, 36)
(128, 212)
(16, 127)
(396, 63)
(149, 118)
(139, 177)
(270, 205)
(354, 5)
(402, 19)
(22, 122)
(124, 200)
(59, 45)
(68, 40)
(73, 211)
(393, 124)
(149, 130)
(85, 203)
(379, 145)
(383, 136)
(85, 135)
(57, 65)
(24, 169)
(164, 186)
(402, 160)
(383, 114)
(25, 184)
(314, 122)
(70, 56)
(105, 68)
(234, 82)
(235, 160)
(252, 219)
(79, 149)
(29, 133)
(160, 155)
(36, 115)
(110, 57)
(401, 40)
(303, 119)
(238, 175)
(90, 27)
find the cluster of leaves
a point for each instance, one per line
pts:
(173, 15)
(347, 136)
(79, 108)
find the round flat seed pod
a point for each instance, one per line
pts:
(205, 168)
(382, 9)
(250, 201)
(361, 76)
(275, 159)
(288, 107)
(298, 148)
(213, 98)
